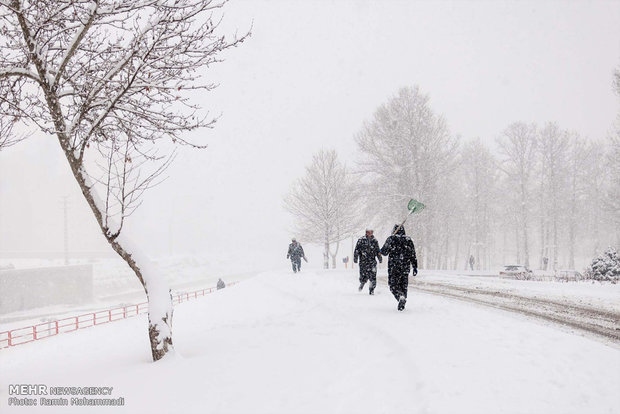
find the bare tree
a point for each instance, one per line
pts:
(7, 124)
(109, 79)
(553, 148)
(407, 151)
(517, 146)
(324, 203)
(579, 155)
(479, 172)
(613, 194)
(595, 182)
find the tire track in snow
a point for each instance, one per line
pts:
(586, 319)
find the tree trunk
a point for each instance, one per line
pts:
(486, 254)
(467, 256)
(554, 204)
(542, 214)
(326, 253)
(547, 245)
(518, 241)
(334, 255)
(542, 237)
(155, 286)
(573, 214)
(597, 233)
(456, 251)
(159, 301)
(352, 252)
(505, 241)
(555, 243)
(446, 252)
(526, 253)
(571, 248)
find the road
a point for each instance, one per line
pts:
(602, 323)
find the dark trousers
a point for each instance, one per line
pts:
(398, 280)
(296, 262)
(368, 271)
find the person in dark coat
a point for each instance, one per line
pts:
(296, 253)
(220, 284)
(401, 252)
(367, 252)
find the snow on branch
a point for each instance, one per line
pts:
(19, 72)
(112, 81)
(324, 200)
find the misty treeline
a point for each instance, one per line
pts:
(540, 196)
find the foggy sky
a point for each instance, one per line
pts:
(308, 77)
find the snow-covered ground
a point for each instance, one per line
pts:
(310, 343)
(602, 296)
(115, 285)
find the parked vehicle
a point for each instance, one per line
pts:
(568, 275)
(516, 272)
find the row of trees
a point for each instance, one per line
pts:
(544, 197)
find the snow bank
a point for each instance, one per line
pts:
(585, 293)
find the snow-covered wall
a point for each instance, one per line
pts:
(22, 289)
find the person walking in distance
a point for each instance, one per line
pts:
(296, 253)
(367, 252)
(220, 284)
(401, 252)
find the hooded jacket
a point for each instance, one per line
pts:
(400, 250)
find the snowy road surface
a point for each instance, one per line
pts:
(601, 322)
(587, 294)
(310, 343)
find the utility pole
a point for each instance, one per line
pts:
(66, 229)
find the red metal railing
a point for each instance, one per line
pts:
(42, 330)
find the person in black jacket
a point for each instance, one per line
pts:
(367, 252)
(296, 253)
(401, 252)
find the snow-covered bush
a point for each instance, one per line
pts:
(605, 267)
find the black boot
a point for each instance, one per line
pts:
(401, 303)
(361, 286)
